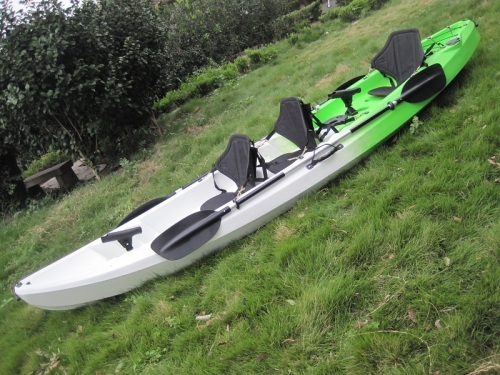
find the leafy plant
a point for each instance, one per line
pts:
(415, 124)
(243, 64)
(88, 85)
(128, 166)
(45, 161)
(262, 55)
(297, 19)
(351, 10)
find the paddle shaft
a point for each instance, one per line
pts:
(217, 215)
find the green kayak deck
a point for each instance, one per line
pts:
(451, 48)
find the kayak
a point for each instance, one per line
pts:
(253, 182)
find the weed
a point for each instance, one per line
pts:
(129, 167)
(45, 161)
(415, 124)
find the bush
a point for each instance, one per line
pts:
(262, 55)
(306, 35)
(297, 19)
(45, 161)
(199, 84)
(13, 193)
(342, 3)
(91, 79)
(205, 32)
(208, 79)
(352, 10)
(243, 63)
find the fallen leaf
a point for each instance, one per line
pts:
(361, 324)
(227, 328)
(412, 316)
(262, 357)
(438, 324)
(222, 343)
(492, 161)
(291, 302)
(288, 340)
(457, 219)
(203, 318)
(119, 367)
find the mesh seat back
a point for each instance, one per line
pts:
(295, 124)
(237, 161)
(401, 55)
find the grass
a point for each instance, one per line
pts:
(390, 269)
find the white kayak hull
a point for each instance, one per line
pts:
(101, 270)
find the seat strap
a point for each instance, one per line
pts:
(215, 182)
(322, 125)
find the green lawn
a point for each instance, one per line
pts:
(391, 269)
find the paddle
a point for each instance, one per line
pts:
(198, 228)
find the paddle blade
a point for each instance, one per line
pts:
(189, 234)
(141, 209)
(424, 85)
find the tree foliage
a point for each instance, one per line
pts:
(201, 32)
(84, 79)
(81, 79)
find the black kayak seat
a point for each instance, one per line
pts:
(239, 160)
(400, 57)
(295, 124)
(239, 163)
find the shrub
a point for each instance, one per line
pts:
(91, 79)
(243, 64)
(297, 19)
(199, 84)
(262, 55)
(352, 9)
(205, 80)
(45, 161)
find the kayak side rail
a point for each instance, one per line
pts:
(197, 179)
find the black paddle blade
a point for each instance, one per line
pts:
(187, 235)
(141, 209)
(424, 85)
